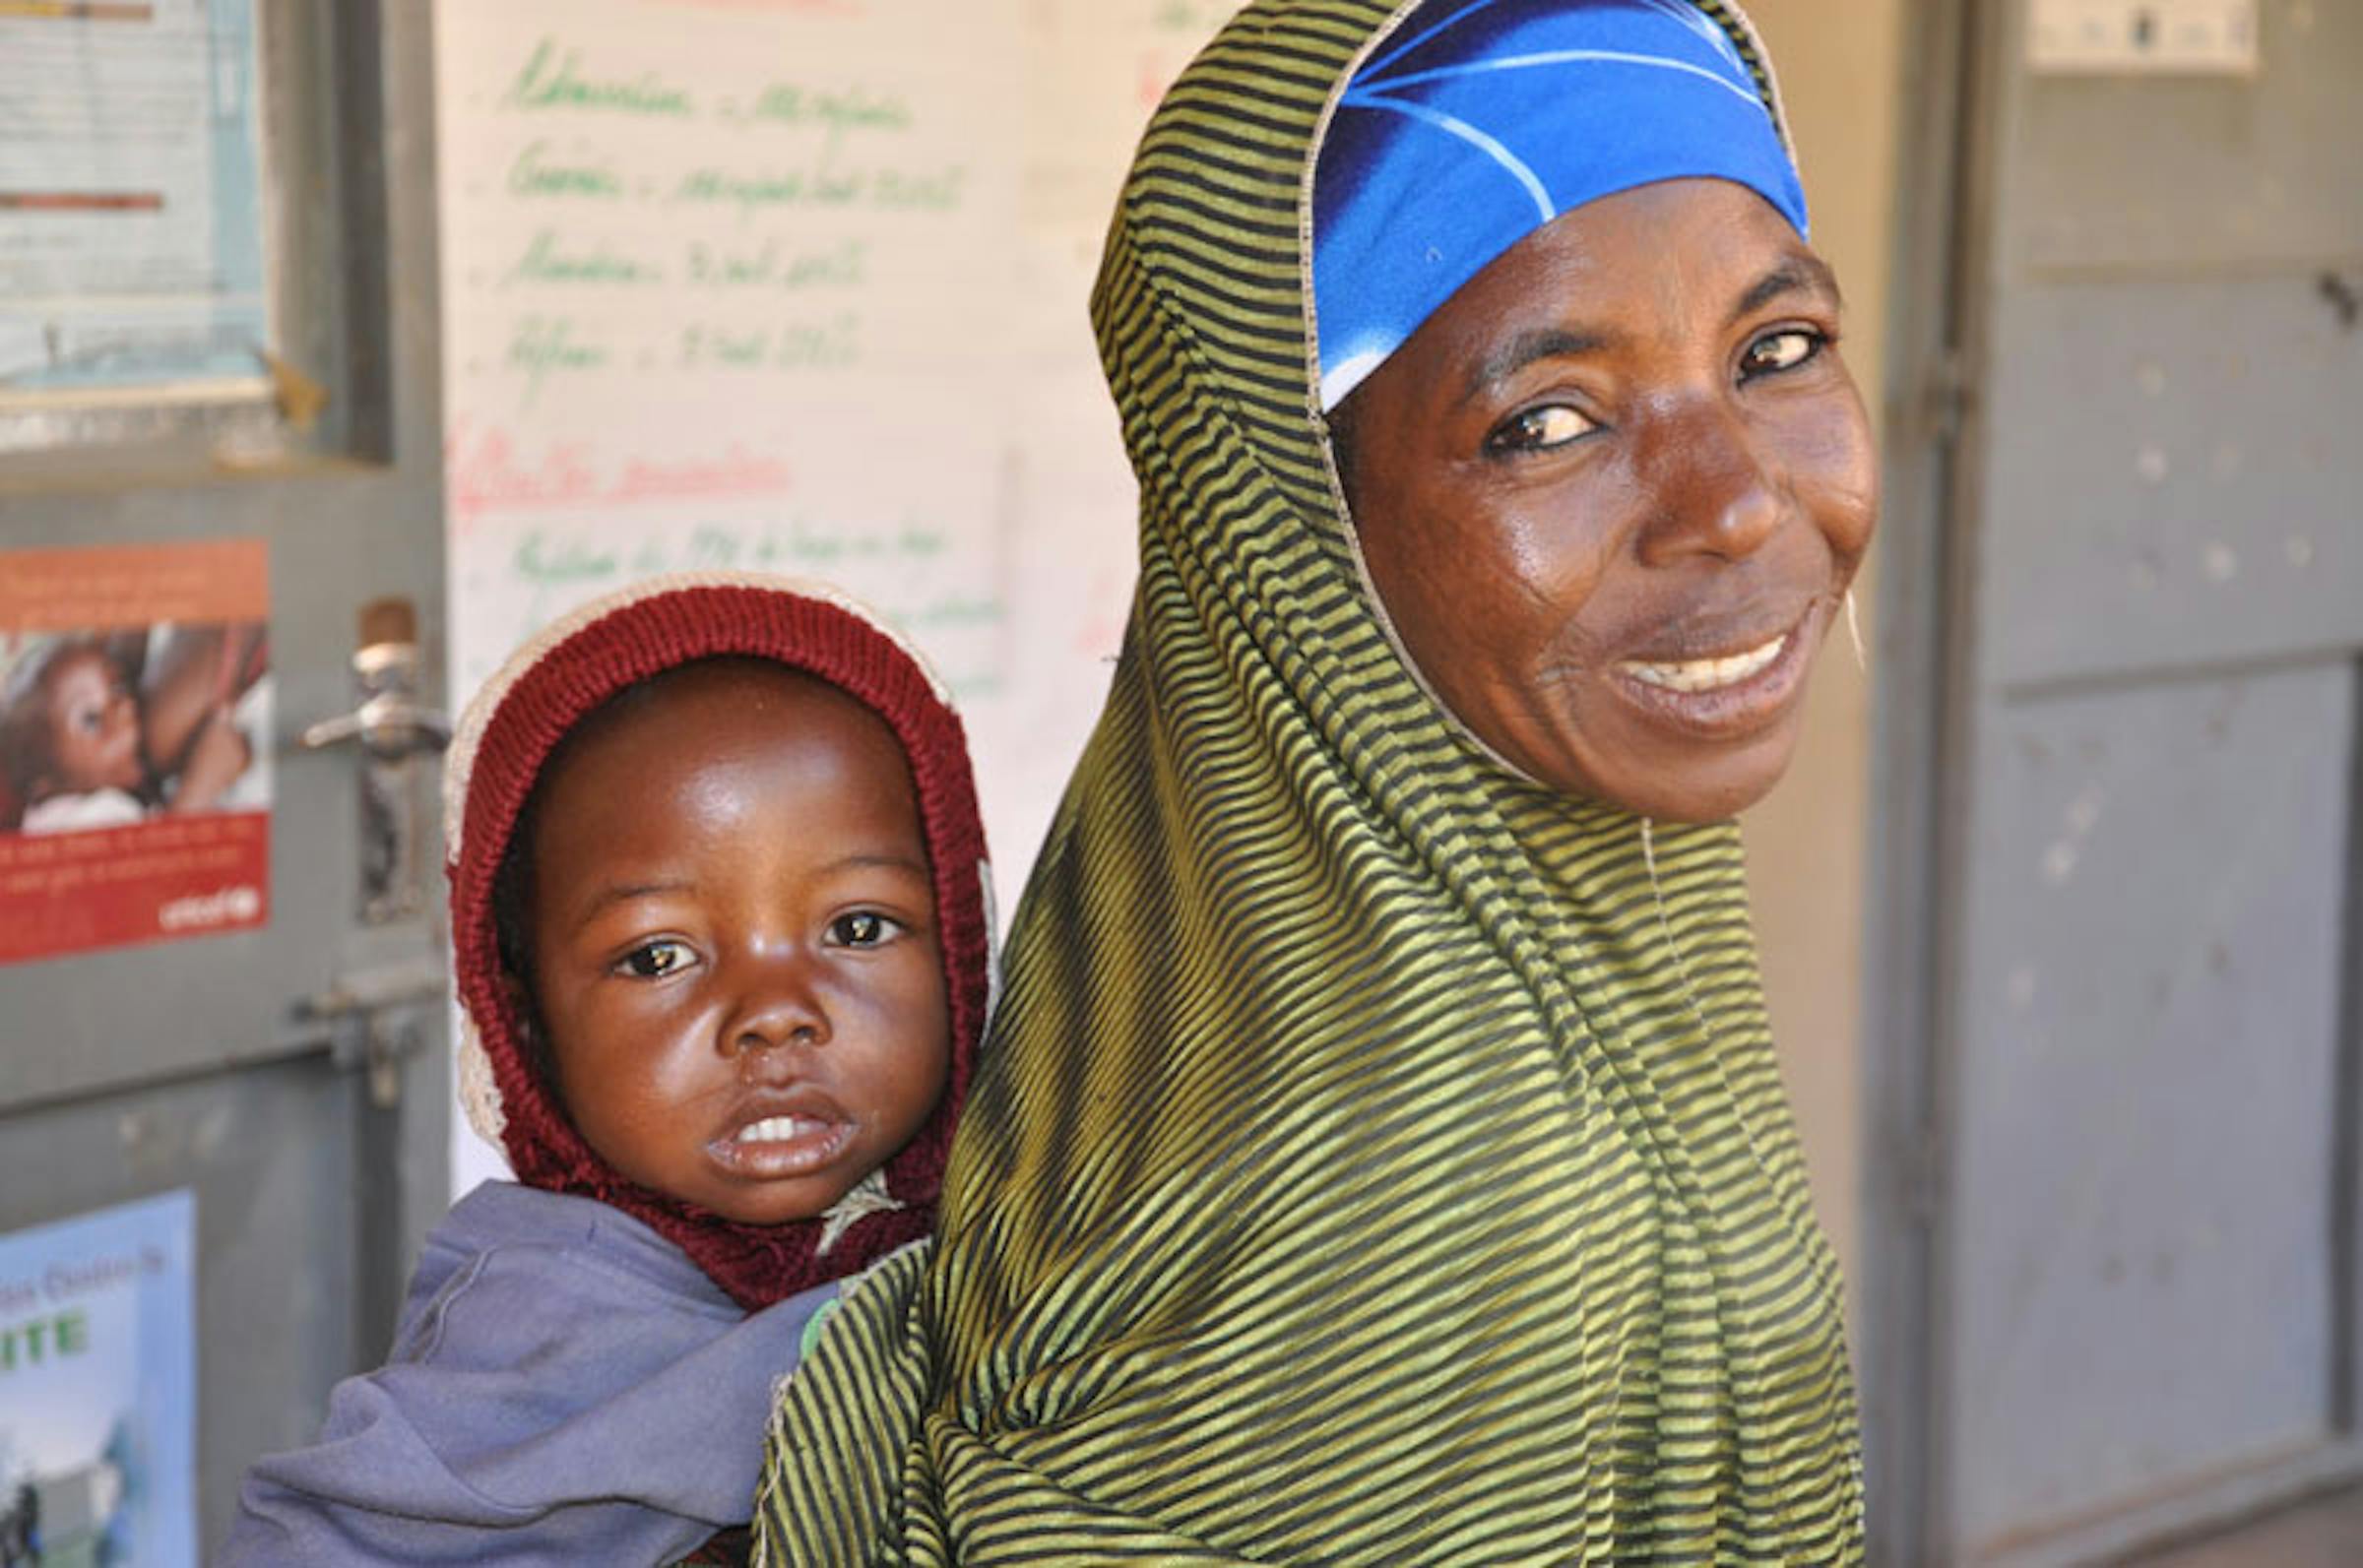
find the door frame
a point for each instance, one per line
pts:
(1957, 56)
(355, 258)
(1919, 727)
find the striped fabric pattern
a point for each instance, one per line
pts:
(1377, 1158)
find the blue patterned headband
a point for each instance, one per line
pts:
(1479, 121)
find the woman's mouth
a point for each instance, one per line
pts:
(779, 1146)
(1725, 694)
(1707, 674)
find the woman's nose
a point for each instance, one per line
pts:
(1714, 494)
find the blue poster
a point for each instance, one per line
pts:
(98, 1389)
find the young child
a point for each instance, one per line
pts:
(70, 740)
(80, 749)
(721, 935)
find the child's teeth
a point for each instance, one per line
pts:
(771, 1129)
(1704, 674)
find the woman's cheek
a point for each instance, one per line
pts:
(1837, 478)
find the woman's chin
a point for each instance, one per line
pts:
(1689, 777)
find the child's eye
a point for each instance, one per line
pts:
(1540, 429)
(1780, 351)
(654, 960)
(861, 928)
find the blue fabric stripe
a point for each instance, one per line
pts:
(1524, 62)
(1413, 39)
(1544, 211)
(1574, 99)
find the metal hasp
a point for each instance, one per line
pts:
(370, 1024)
(390, 729)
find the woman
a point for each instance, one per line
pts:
(1381, 1156)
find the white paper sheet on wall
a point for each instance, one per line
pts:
(801, 285)
(719, 294)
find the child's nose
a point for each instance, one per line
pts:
(779, 1008)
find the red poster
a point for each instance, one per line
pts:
(135, 744)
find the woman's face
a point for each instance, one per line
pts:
(1612, 494)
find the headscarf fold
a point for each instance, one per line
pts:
(1377, 1158)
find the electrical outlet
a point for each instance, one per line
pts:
(2211, 37)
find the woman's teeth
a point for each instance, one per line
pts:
(777, 1129)
(1705, 674)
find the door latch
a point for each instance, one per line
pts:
(392, 728)
(369, 1022)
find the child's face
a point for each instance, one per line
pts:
(93, 728)
(735, 953)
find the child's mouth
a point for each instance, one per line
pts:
(778, 1130)
(782, 1146)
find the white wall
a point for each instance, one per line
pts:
(801, 287)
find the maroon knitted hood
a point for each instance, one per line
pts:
(507, 735)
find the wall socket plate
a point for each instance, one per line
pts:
(2122, 37)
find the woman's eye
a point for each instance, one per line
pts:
(1539, 429)
(862, 929)
(654, 960)
(1785, 349)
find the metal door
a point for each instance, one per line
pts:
(290, 1077)
(2112, 1284)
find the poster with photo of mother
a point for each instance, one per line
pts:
(135, 746)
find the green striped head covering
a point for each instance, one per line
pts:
(1377, 1157)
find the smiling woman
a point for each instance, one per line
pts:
(1378, 1156)
(1612, 493)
